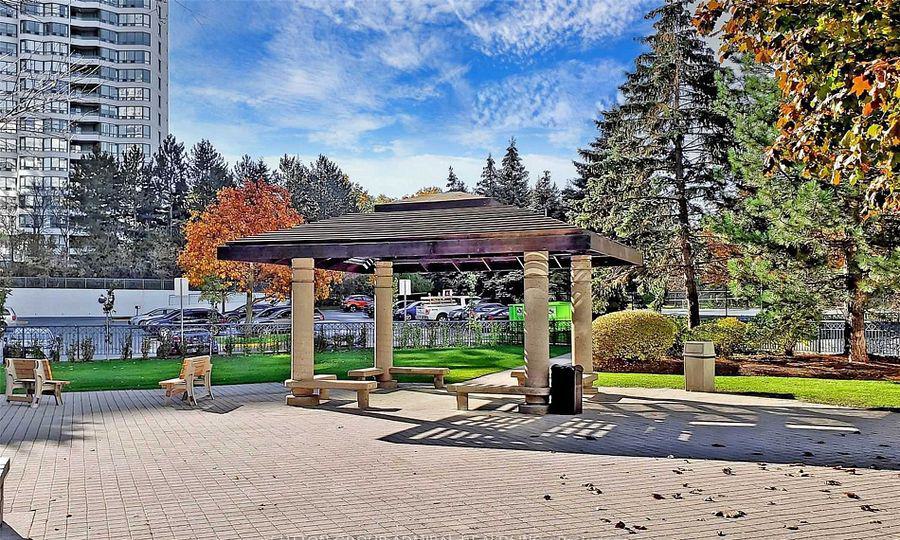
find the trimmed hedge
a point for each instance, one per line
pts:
(641, 334)
(728, 334)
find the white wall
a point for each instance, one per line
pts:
(33, 302)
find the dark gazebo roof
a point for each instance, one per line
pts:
(431, 233)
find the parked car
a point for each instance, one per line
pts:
(30, 341)
(238, 314)
(459, 314)
(9, 316)
(138, 320)
(318, 315)
(478, 310)
(196, 341)
(370, 310)
(275, 320)
(356, 302)
(497, 313)
(192, 316)
(408, 312)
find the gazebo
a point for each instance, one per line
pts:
(444, 232)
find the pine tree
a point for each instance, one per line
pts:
(208, 173)
(656, 168)
(169, 171)
(546, 199)
(512, 186)
(247, 169)
(805, 245)
(96, 193)
(454, 183)
(488, 183)
(319, 191)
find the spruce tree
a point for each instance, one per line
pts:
(488, 183)
(454, 183)
(657, 165)
(208, 173)
(512, 185)
(546, 198)
(321, 190)
(247, 169)
(170, 176)
(96, 196)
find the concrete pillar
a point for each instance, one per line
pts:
(384, 322)
(582, 317)
(303, 297)
(537, 329)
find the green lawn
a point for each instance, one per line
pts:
(136, 374)
(835, 392)
(464, 364)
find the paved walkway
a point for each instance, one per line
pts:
(121, 465)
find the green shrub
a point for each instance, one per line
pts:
(728, 334)
(632, 335)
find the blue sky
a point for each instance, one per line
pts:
(396, 91)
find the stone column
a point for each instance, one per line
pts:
(384, 322)
(303, 297)
(582, 315)
(537, 330)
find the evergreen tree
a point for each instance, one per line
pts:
(546, 199)
(454, 183)
(169, 172)
(488, 184)
(247, 169)
(512, 185)
(208, 173)
(804, 243)
(321, 190)
(656, 168)
(96, 192)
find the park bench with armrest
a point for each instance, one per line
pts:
(195, 370)
(35, 377)
(463, 390)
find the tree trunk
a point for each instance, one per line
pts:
(248, 317)
(856, 309)
(684, 239)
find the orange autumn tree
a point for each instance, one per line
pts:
(254, 208)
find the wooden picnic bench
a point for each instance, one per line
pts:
(309, 392)
(35, 376)
(438, 373)
(195, 370)
(463, 390)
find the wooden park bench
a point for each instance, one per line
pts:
(309, 392)
(33, 376)
(437, 372)
(195, 370)
(463, 390)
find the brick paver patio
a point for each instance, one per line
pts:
(652, 464)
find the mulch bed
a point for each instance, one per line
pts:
(800, 365)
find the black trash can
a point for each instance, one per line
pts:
(565, 389)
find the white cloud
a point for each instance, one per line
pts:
(524, 27)
(561, 100)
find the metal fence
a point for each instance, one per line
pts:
(116, 341)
